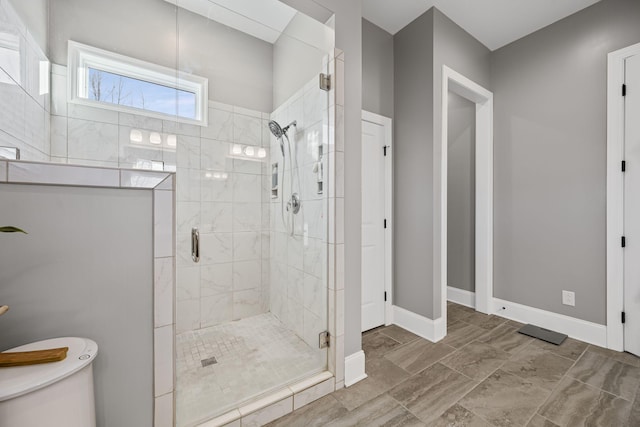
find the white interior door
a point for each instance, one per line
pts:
(632, 207)
(373, 232)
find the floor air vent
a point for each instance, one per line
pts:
(543, 334)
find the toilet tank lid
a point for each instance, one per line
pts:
(19, 380)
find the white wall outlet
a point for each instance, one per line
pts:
(569, 298)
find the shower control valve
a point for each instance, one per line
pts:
(294, 204)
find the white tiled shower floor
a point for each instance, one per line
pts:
(254, 356)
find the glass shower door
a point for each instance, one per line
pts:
(253, 183)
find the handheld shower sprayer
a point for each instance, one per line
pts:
(293, 204)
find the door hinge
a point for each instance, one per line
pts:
(385, 296)
(384, 149)
(624, 166)
(385, 223)
(624, 241)
(324, 339)
(623, 317)
(624, 90)
(325, 82)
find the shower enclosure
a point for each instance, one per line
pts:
(252, 212)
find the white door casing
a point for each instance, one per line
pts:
(631, 196)
(459, 84)
(376, 209)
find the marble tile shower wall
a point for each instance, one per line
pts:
(298, 262)
(24, 102)
(222, 189)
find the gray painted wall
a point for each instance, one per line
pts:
(550, 159)
(461, 133)
(420, 51)
(550, 106)
(68, 277)
(144, 29)
(35, 15)
(239, 67)
(413, 171)
(459, 50)
(377, 70)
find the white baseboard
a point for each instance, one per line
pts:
(354, 368)
(579, 329)
(432, 330)
(462, 297)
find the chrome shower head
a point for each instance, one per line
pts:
(276, 129)
(279, 132)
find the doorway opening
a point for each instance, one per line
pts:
(461, 194)
(482, 99)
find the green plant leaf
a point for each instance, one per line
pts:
(10, 229)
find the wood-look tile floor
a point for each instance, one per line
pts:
(482, 374)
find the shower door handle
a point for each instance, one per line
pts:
(195, 245)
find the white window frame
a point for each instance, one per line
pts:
(82, 57)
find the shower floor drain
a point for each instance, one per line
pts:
(208, 362)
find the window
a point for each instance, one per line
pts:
(117, 82)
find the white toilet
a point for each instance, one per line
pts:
(50, 394)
